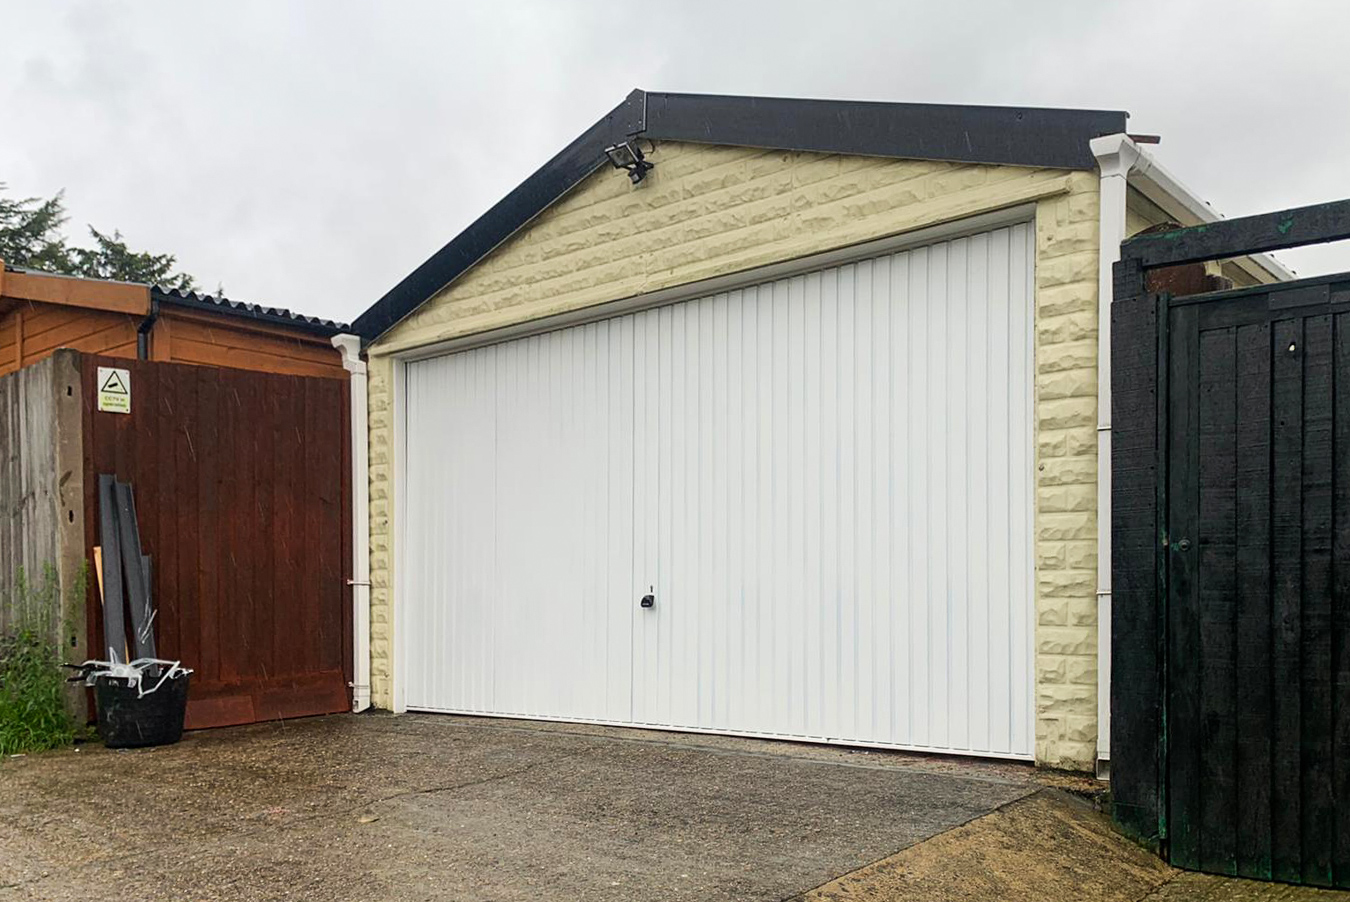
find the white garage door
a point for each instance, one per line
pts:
(825, 482)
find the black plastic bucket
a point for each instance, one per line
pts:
(128, 720)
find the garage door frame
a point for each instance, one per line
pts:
(1010, 216)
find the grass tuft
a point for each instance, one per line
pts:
(33, 714)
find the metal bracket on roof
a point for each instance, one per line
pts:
(632, 118)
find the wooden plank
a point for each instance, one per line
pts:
(287, 491)
(1340, 622)
(96, 333)
(1318, 815)
(1245, 235)
(209, 526)
(93, 294)
(1253, 601)
(330, 441)
(233, 436)
(245, 516)
(1185, 729)
(244, 330)
(272, 349)
(1216, 545)
(209, 711)
(322, 693)
(145, 487)
(266, 490)
(161, 339)
(188, 517)
(1136, 738)
(262, 413)
(9, 485)
(259, 699)
(165, 487)
(311, 591)
(1287, 587)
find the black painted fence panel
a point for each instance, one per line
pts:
(1256, 711)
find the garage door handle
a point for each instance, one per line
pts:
(648, 601)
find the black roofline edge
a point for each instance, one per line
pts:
(530, 198)
(1010, 136)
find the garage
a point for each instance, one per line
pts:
(762, 416)
(799, 508)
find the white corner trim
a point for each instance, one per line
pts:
(350, 346)
(399, 503)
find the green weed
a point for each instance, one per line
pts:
(33, 714)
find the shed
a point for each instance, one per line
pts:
(232, 439)
(40, 312)
(790, 429)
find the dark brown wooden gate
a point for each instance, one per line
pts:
(242, 483)
(1231, 562)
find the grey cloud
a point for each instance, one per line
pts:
(312, 153)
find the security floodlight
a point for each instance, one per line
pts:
(628, 156)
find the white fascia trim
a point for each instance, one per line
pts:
(350, 346)
(1155, 182)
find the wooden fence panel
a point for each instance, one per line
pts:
(41, 489)
(241, 482)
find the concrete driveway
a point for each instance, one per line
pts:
(434, 807)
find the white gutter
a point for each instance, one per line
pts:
(350, 346)
(1153, 181)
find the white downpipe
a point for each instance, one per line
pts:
(350, 346)
(1124, 163)
(1116, 156)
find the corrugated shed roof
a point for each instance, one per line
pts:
(276, 315)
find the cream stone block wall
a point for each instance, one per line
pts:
(707, 211)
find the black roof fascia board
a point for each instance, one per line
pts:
(530, 198)
(1008, 136)
(1014, 136)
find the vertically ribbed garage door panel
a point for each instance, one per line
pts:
(826, 480)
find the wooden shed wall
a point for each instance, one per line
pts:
(183, 336)
(179, 336)
(46, 327)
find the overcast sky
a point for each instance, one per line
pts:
(311, 154)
